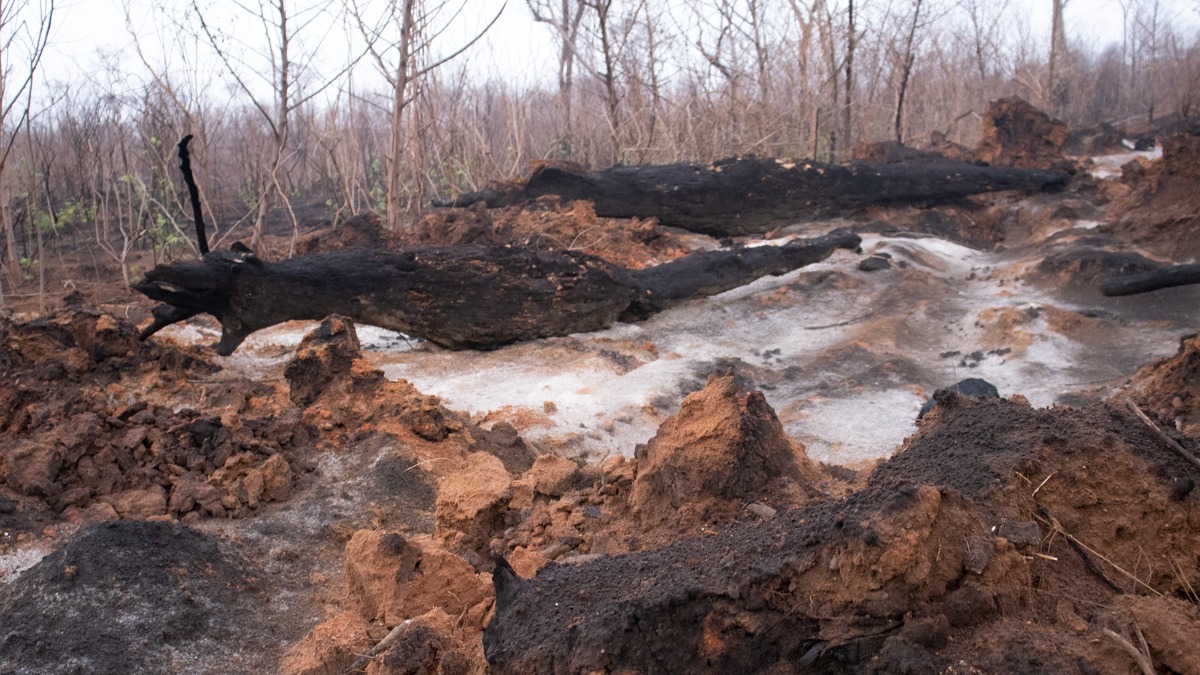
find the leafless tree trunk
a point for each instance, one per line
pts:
(565, 23)
(1058, 49)
(848, 88)
(652, 67)
(280, 36)
(396, 39)
(1149, 26)
(608, 76)
(401, 97)
(828, 33)
(24, 34)
(905, 66)
(807, 107)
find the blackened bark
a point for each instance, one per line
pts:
(710, 272)
(185, 165)
(1179, 275)
(460, 297)
(741, 196)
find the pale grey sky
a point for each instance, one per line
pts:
(515, 50)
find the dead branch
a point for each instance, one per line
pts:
(384, 644)
(1162, 435)
(1144, 663)
(1083, 551)
(185, 165)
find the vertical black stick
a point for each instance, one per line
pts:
(185, 164)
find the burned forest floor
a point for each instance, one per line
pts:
(739, 484)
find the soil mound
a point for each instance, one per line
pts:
(724, 448)
(993, 518)
(1019, 135)
(74, 342)
(344, 397)
(1107, 139)
(547, 224)
(99, 450)
(409, 588)
(1159, 213)
(1088, 266)
(362, 231)
(134, 597)
(1170, 388)
(324, 360)
(972, 223)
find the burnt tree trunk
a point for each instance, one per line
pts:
(736, 197)
(460, 297)
(1179, 275)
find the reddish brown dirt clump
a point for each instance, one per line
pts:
(544, 223)
(1019, 135)
(725, 447)
(1170, 388)
(1159, 212)
(999, 538)
(93, 450)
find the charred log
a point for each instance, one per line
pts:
(456, 297)
(1179, 275)
(742, 196)
(707, 273)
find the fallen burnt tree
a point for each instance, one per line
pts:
(456, 297)
(742, 196)
(1179, 275)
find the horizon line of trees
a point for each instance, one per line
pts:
(399, 120)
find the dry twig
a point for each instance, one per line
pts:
(1042, 484)
(1082, 550)
(1142, 661)
(1171, 442)
(384, 644)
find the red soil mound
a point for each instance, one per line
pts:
(546, 224)
(1000, 538)
(1161, 211)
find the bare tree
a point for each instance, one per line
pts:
(1183, 78)
(1058, 50)
(177, 89)
(904, 59)
(565, 21)
(285, 71)
(903, 52)
(829, 30)
(1149, 23)
(848, 87)
(983, 34)
(806, 17)
(608, 76)
(24, 34)
(400, 39)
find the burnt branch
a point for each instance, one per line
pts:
(1179, 275)
(185, 165)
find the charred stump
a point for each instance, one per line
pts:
(455, 297)
(741, 196)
